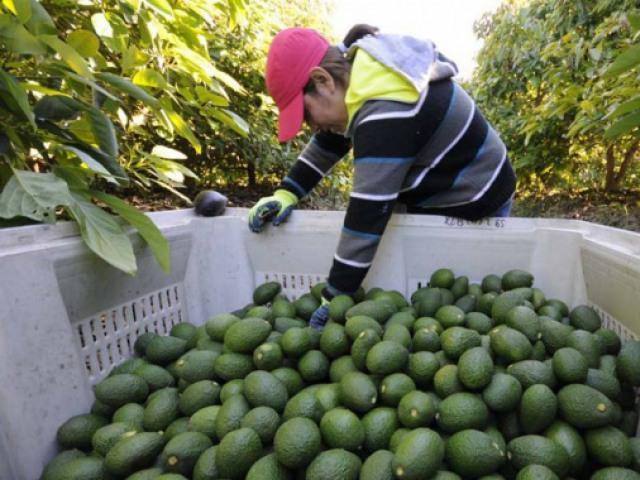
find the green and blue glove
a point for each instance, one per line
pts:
(320, 316)
(275, 208)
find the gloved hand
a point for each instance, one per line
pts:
(320, 316)
(277, 207)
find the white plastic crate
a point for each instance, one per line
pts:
(66, 318)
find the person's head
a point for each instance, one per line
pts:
(308, 79)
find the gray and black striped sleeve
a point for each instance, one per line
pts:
(322, 152)
(384, 151)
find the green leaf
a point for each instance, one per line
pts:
(91, 163)
(145, 226)
(634, 20)
(232, 120)
(101, 25)
(125, 85)
(624, 125)
(85, 42)
(160, 6)
(40, 22)
(630, 106)
(10, 89)
(90, 83)
(20, 8)
(69, 55)
(150, 78)
(625, 61)
(104, 132)
(167, 153)
(18, 40)
(206, 96)
(132, 58)
(58, 107)
(183, 129)
(34, 195)
(103, 234)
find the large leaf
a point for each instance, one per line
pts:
(146, 228)
(12, 92)
(104, 132)
(624, 125)
(183, 129)
(40, 22)
(34, 195)
(112, 30)
(58, 107)
(19, 40)
(627, 60)
(129, 88)
(167, 153)
(149, 78)
(69, 55)
(84, 42)
(627, 107)
(162, 7)
(103, 234)
(20, 8)
(232, 120)
(90, 83)
(91, 163)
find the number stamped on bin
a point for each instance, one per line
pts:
(483, 222)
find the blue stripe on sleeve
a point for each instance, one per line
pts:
(295, 185)
(384, 160)
(367, 236)
(477, 158)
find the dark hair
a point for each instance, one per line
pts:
(357, 32)
(335, 62)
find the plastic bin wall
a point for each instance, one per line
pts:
(66, 317)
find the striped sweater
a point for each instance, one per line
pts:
(437, 156)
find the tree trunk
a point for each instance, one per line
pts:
(610, 179)
(628, 160)
(251, 173)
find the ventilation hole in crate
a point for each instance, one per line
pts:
(81, 336)
(99, 359)
(164, 324)
(169, 299)
(114, 322)
(92, 329)
(109, 354)
(87, 364)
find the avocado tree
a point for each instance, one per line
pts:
(91, 95)
(541, 79)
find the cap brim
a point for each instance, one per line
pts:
(291, 118)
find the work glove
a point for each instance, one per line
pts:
(320, 316)
(277, 208)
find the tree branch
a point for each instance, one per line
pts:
(628, 159)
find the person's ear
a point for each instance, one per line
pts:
(322, 79)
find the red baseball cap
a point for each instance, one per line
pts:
(292, 55)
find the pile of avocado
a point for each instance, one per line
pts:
(461, 381)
